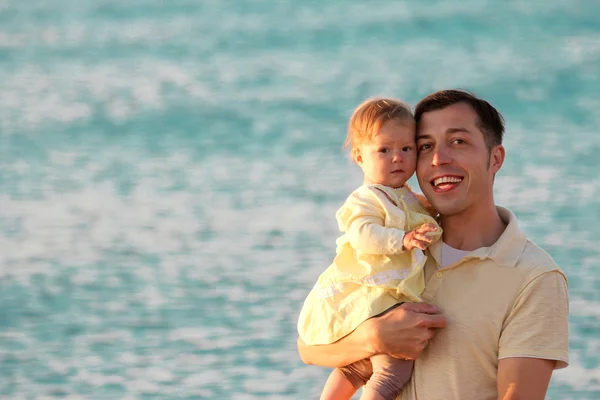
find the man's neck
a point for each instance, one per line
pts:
(473, 229)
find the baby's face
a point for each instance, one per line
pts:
(390, 158)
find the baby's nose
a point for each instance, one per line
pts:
(397, 156)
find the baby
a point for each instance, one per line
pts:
(379, 258)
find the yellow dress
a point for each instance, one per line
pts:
(370, 272)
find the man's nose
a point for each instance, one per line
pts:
(441, 156)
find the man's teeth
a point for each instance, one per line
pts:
(446, 179)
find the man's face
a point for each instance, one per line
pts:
(454, 168)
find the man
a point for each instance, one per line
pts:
(494, 324)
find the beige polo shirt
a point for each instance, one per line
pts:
(508, 300)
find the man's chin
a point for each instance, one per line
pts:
(449, 210)
(445, 207)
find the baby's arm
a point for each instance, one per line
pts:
(363, 219)
(368, 234)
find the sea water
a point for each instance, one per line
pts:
(170, 171)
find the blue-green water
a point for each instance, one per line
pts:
(170, 170)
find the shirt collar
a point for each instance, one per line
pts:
(505, 252)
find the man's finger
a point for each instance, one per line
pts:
(404, 356)
(423, 308)
(434, 321)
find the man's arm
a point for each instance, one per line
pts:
(534, 339)
(524, 378)
(402, 332)
(353, 347)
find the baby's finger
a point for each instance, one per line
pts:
(427, 228)
(418, 244)
(422, 231)
(423, 237)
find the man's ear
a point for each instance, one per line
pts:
(356, 156)
(497, 158)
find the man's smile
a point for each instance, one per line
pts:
(446, 183)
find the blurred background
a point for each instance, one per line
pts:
(170, 171)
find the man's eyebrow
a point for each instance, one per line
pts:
(421, 136)
(458, 130)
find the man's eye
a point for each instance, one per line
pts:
(459, 141)
(424, 146)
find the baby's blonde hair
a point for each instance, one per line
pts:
(370, 115)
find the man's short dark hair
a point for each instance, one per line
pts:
(489, 120)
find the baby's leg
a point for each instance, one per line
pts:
(338, 387)
(344, 382)
(390, 375)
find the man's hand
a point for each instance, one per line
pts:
(404, 331)
(418, 237)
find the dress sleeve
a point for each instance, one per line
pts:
(362, 217)
(537, 326)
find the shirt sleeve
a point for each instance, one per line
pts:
(362, 218)
(537, 326)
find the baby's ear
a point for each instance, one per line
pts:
(356, 156)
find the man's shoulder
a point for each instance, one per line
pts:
(535, 261)
(527, 257)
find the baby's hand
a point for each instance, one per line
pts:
(418, 238)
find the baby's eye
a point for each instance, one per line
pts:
(407, 148)
(384, 150)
